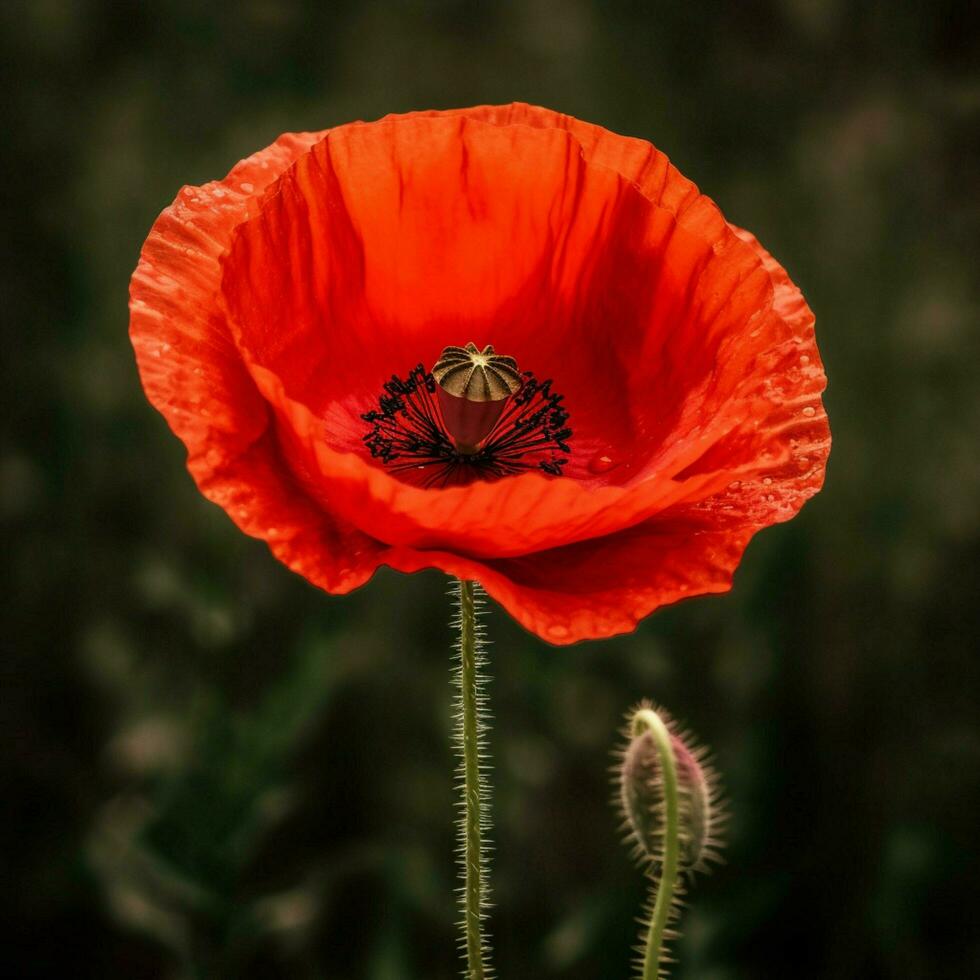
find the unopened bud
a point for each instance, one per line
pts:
(641, 790)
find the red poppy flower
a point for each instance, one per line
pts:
(663, 382)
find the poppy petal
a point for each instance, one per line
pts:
(792, 419)
(604, 587)
(193, 373)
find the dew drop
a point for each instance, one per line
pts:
(804, 360)
(809, 411)
(558, 631)
(734, 485)
(602, 463)
(247, 188)
(768, 481)
(770, 497)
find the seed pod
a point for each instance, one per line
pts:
(472, 387)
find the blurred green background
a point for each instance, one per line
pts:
(212, 769)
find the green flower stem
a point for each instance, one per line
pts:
(646, 720)
(470, 738)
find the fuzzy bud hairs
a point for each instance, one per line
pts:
(672, 813)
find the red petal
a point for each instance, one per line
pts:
(600, 588)
(192, 372)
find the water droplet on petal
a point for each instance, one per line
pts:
(767, 481)
(804, 360)
(558, 631)
(809, 411)
(602, 463)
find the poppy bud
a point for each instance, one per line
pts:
(641, 792)
(473, 387)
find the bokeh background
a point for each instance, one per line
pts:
(213, 770)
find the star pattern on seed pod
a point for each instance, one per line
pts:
(477, 375)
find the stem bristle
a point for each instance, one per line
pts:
(471, 722)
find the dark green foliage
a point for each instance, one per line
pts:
(175, 861)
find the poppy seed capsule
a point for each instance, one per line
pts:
(473, 387)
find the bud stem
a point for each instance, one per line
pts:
(646, 720)
(469, 737)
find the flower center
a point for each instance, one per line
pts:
(473, 416)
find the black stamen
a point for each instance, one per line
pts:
(408, 436)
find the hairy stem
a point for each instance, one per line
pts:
(471, 725)
(666, 884)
